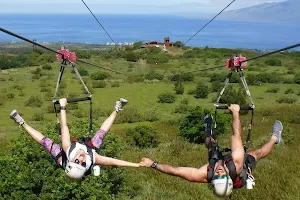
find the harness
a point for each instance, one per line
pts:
(239, 180)
(87, 142)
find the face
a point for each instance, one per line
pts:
(80, 158)
(220, 169)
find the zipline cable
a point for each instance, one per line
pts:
(49, 49)
(272, 52)
(207, 23)
(98, 21)
(27, 40)
(253, 58)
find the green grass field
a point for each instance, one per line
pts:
(277, 176)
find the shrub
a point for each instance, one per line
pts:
(192, 92)
(273, 62)
(143, 136)
(83, 54)
(34, 101)
(83, 72)
(2, 99)
(79, 113)
(50, 108)
(99, 75)
(184, 101)
(10, 95)
(272, 90)
(46, 67)
(217, 77)
(202, 91)
(131, 56)
(129, 115)
(115, 84)
(288, 100)
(297, 78)
(153, 75)
(44, 89)
(188, 76)
(232, 96)
(39, 116)
(179, 88)
(135, 78)
(157, 58)
(151, 115)
(181, 108)
(18, 87)
(192, 125)
(289, 91)
(166, 97)
(98, 84)
(216, 86)
(137, 45)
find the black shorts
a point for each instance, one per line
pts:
(250, 162)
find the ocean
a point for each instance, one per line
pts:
(83, 28)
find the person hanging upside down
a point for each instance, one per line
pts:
(76, 158)
(227, 172)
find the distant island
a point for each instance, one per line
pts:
(287, 11)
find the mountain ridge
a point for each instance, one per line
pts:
(287, 11)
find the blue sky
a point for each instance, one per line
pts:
(123, 6)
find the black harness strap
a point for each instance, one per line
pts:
(239, 180)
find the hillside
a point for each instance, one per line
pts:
(287, 11)
(154, 112)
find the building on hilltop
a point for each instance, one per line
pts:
(166, 43)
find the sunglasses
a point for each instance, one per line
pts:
(77, 162)
(220, 177)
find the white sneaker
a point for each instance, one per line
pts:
(120, 104)
(16, 117)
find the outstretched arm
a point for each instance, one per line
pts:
(188, 173)
(237, 149)
(65, 134)
(107, 161)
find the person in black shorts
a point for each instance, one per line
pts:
(226, 172)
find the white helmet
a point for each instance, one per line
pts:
(223, 186)
(75, 171)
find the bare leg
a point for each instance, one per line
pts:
(100, 134)
(109, 122)
(96, 141)
(264, 150)
(208, 143)
(36, 135)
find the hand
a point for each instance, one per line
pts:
(234, 108)
(146, 162)
(63, 102)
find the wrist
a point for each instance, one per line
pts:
(63, 108)
(154, 165)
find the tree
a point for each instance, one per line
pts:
(137, 45)
(192, 126)
(202, 91)
(178, 44)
